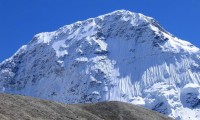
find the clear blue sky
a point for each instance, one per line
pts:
(20, 20)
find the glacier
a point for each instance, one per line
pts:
(120, 56)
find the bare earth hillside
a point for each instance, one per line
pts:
(15, 107)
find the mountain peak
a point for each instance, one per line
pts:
(126, 15)
(122, 22)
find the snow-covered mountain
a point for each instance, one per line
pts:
(120, 56)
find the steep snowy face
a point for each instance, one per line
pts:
(121, 56)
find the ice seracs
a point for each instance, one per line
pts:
(120, 56)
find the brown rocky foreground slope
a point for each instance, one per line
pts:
(15, 107)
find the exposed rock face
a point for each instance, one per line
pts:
(120, 56)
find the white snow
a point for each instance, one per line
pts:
(57, 46)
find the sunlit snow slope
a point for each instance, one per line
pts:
(120, 56)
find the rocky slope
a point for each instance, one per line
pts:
(14, 107)
(120, 56)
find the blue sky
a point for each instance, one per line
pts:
(20, 20)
